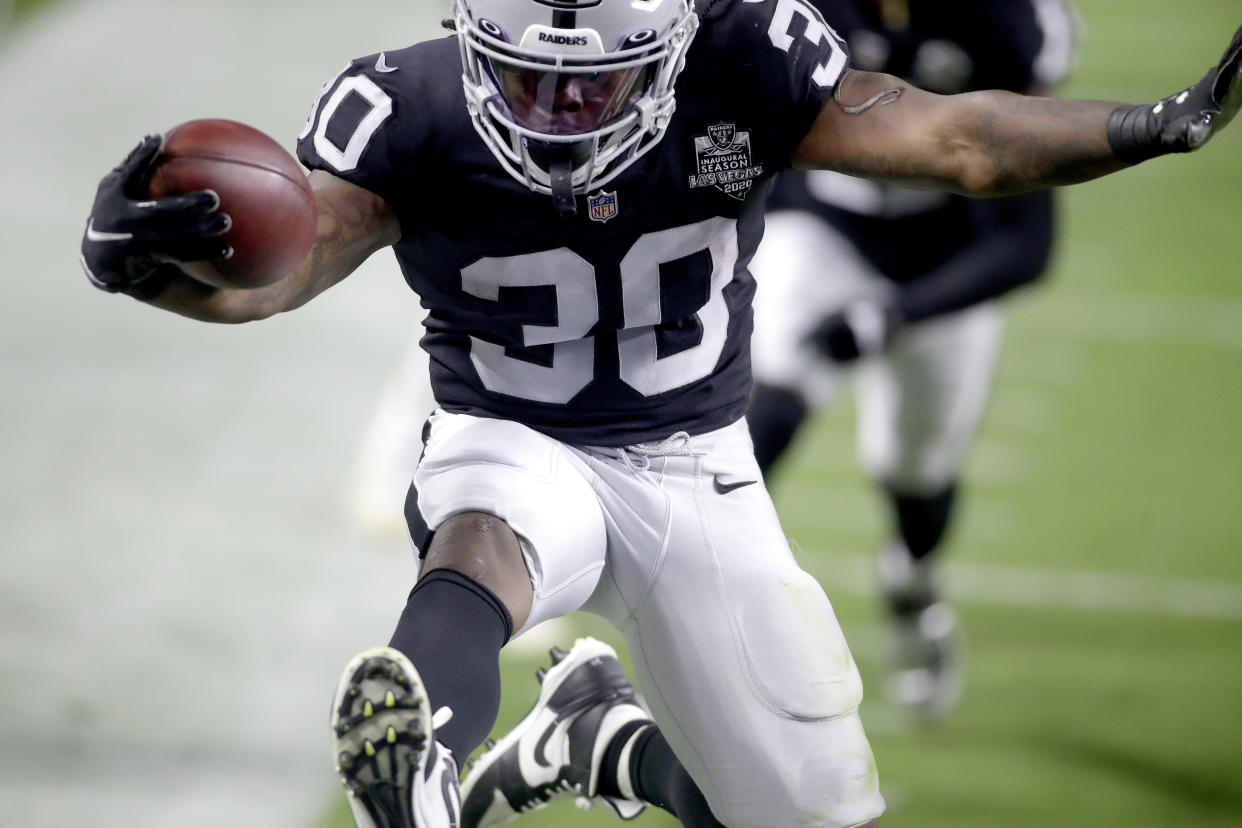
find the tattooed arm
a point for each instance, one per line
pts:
(979, 143)
(353, 223)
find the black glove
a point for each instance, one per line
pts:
(860, 329)
(130, 238)
(1185, 121)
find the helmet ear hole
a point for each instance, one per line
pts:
(638, 38)
(490, 27)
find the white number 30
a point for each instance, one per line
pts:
(641, 365)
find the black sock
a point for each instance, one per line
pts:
(774, 417)
(452, 630)
(610, 765)
(922, 520)
(659, 778)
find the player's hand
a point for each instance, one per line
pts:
(1185, 121)
(860, 329)
(129, 236)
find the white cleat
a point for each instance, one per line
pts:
(383, 742)
(555, 752)
(928, 647)
(928, 664)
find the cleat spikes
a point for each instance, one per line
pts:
(558, 655)
(540, 673)
(383, 747)
(489, 744)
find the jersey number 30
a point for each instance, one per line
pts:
(577, 311)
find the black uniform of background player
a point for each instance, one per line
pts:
(929, 255)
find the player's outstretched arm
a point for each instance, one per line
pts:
(998, 143)
(352, 224)
(132, 243)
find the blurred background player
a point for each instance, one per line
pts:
(901, 282)
(390, 447)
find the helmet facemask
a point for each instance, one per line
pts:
(564, 111)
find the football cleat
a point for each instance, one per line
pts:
(556, 751)
(928, 648)
(383, 743)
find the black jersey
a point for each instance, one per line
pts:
(1015, 45)
(631, 320)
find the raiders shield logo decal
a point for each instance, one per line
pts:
(723, 160)
(602, 206)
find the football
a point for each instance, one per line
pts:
(261, 187)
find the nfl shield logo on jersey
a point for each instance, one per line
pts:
(602, 206)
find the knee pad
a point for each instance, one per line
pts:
(530, 482)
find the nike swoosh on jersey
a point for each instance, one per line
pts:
(381, 65)
(100, 236)
(725, 488)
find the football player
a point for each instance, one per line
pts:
(390, 446)
(578, 227)
(901, 282)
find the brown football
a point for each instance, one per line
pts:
(261, 187)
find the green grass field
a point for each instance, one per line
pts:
(21, 8)
(1096, 560)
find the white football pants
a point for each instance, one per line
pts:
(737, 651)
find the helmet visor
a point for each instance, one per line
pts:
(567, 102)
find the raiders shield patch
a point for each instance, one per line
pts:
(723, 160)
(602, 206)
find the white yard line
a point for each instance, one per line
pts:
(1125, 318)
(1093, 591)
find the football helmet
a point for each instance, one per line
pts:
(569, 93)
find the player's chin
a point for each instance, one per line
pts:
(560, 124)
(568, 128)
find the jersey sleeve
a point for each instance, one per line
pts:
(361, 128)
(1011, 245)
(795, 57)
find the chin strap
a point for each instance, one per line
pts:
(561, 172)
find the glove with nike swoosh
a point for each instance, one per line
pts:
(1181, 122)
(131, 240)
